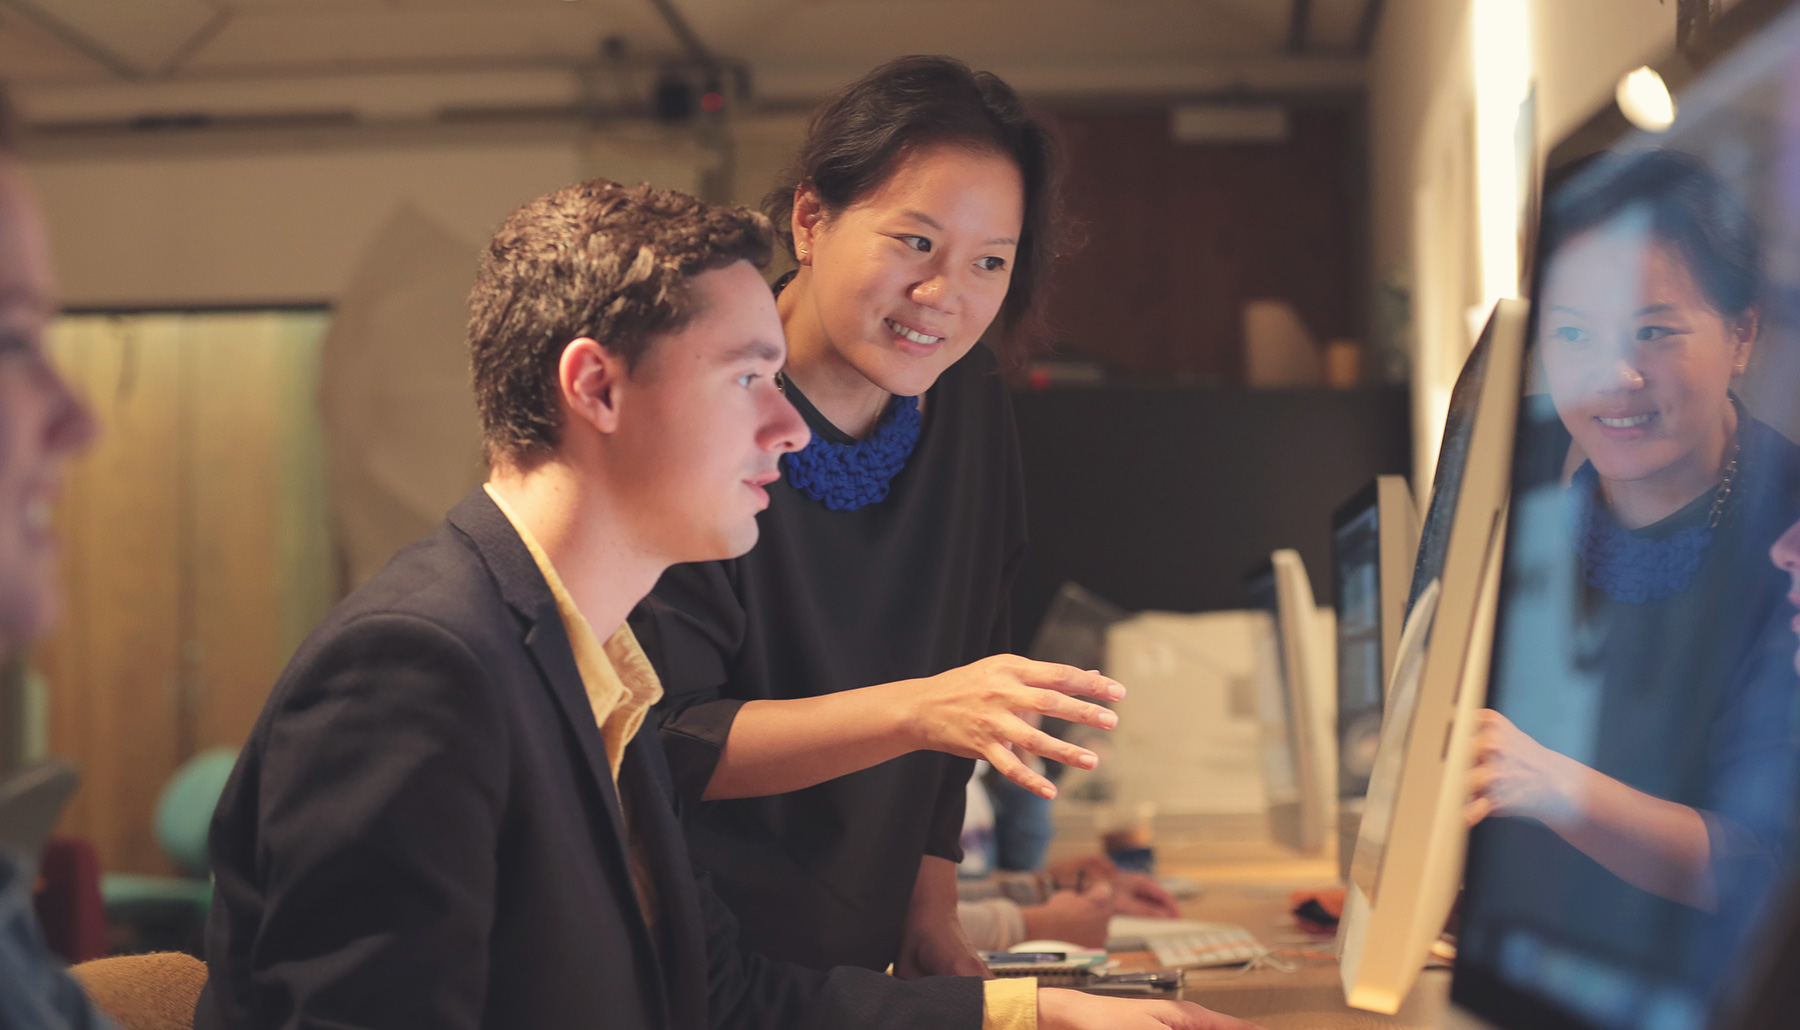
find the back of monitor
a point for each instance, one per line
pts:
(31, 802)
(1409, 852)
(1299, 714)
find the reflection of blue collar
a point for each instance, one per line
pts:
(847, 476)
(1636, 567)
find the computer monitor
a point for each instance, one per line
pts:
(31, 802)
(1374, 541)
(1294, 701)
(1647, 654)
(1409, 848)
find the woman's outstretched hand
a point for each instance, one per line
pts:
(1515, 775)
(975, 711)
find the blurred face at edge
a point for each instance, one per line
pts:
(41, 422)
(1639, 362)
(1786, 556)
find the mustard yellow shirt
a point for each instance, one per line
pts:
(621, 686)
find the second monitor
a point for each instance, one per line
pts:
(1374, 538)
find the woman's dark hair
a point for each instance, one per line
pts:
(857, 139)
(1688, 207)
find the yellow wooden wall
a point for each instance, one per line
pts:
(197, 551)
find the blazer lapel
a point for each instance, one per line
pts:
(524, 590)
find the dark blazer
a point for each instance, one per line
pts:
(423, 832)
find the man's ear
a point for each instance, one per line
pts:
(588, 377)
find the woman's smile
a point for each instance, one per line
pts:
(922, 344)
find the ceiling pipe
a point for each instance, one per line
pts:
(80, 41)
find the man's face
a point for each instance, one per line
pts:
(41, 423)
(702, 425)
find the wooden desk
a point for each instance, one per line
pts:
(1311, 997)
(1245, 878)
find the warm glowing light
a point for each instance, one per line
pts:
(1501, 46)
(1645, 99)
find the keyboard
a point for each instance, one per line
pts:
(1219, 944)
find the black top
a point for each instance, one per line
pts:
(831, 600)
(1692, 698)
(423, 831)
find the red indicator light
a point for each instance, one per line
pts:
(712, 103)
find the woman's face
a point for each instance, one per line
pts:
(906, 279)
(1638, 361)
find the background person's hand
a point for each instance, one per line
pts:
(1134, 894)
(1079, 918)
(974, 711)
(1060, 1009)
(1515, 775)
(1138, 894)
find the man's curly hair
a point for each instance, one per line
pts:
(599, 260)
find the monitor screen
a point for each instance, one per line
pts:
(1356, 553)
(1446, 482)
(1636, 782)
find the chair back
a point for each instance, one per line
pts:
(145, 992)
(184, 812)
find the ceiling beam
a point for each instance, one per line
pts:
(75, 39)
(1298, 24)
(1365, 32)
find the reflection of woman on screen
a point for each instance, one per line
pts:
(1646, 315)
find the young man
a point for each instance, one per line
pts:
(41, 426)
(446, 816)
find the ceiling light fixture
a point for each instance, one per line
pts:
(1645, 100)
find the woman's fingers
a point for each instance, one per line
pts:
(1476, 810)
(1070, 680)
(1008, 765)
(1481, 779)
(1069, 709)
(1056, 749)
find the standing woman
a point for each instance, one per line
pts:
(827, 692)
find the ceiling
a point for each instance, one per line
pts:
(79, 59)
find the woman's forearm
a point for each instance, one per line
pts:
(779, 746)
(973, 711)
(1656, 845)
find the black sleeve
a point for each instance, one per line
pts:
(747, 991)
(380, 792)
(690, 627)
(750, 992)
(945, 837)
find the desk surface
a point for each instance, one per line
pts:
(1247, 882)
(1311, 996)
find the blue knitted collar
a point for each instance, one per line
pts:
(845, 476)
(1639, 567)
